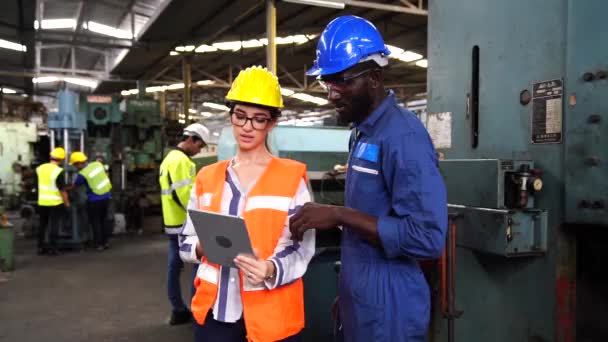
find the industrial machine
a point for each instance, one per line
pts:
(67, 128)
(321, 149)
(517, 106)
(13, 156)
(6, 241)
(131, 143)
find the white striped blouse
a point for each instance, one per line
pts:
(290, 257)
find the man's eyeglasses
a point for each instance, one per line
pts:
(341, 82)
(257, 122)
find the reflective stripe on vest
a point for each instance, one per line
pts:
(174, 213)
(48, 194)
(97, 178)
(270, 315)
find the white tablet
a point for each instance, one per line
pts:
(222, 237)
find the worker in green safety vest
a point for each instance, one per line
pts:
(52, 201)
(93, 175)
(176, 176)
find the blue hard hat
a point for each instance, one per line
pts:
(344, 42)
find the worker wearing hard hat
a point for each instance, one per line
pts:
(176, 177)
(52, 199)
(395, 211)
(262, 298)
(94, 177)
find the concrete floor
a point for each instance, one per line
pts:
(115, 295)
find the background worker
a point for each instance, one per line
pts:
(93, 176)
(52, 201)
(395, 209)
(262, 299)
(176, 177)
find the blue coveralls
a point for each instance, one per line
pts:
(393, 175)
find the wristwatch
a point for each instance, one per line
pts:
(274, 272)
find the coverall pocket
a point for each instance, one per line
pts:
(363, 321)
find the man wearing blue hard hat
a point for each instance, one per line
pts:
(395, 211)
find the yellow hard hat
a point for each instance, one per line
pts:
(77, 157)
(58, 153)
(256, 85)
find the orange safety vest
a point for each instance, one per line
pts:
(270, 315)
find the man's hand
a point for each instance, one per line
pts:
(313, 216)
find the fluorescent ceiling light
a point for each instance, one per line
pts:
(206, 114)
(287, 92)
(423, 63)
(215, 106)
(53, 24)
(12, 46)
(395, 51)
(205, 82)
(216, 134)
(155, 89)
(247, 44)
(8, 91)
(297, 39)
(73, 80)
(227, 46)
(176, 86)
(81, 82)
(173, 53)
(320, 3)
(252, 43)
(187, 48)
(409, 56)
(129, 92)
(309, 98)
(107, 30)
(46, 79)
(403, 55)
(193, 111)
(205, 48)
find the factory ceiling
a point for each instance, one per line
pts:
(93, 48)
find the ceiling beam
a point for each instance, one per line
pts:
(206, 21)
(70, 52)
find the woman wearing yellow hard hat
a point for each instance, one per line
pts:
(93, 176)
(262, 299)
(52, 198)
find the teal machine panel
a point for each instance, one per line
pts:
(496, 201)
(522, 81)
(321, 148)
(586, 146)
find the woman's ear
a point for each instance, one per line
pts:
(272, 124)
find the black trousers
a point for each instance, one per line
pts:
(51, 219)
(98, 213)
(213, 330)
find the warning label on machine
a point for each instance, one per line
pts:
(439, 126)
(547, 112)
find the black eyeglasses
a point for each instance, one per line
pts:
(257, 122)
(341, 82)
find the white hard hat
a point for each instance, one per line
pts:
(197, 130)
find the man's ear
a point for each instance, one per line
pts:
(375, 79)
